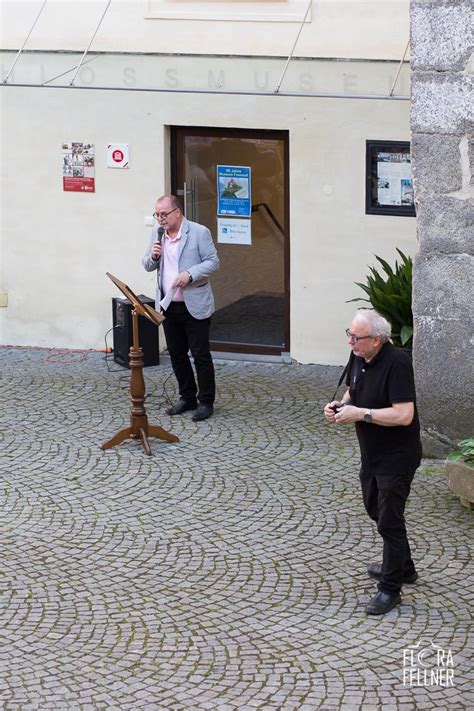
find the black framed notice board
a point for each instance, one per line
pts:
(389, 182)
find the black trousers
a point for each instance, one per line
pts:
(385, 496)
(184, 332)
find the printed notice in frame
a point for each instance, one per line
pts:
(233, 231)
(234, 190)
(78, 167)
(394, 180)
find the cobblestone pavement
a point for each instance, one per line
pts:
(223, 572)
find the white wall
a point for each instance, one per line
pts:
(334, 28)
(332, 239)
(57, 246)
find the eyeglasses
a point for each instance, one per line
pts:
(163, 215)
(352, 337)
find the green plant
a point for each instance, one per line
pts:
(391, 297)
(465, 452)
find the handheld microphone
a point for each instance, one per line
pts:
(160, 233)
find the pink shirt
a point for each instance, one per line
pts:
(169, 265)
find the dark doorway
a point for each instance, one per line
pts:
(252, 286)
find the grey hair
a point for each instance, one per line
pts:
(379, 326)
(174, 200)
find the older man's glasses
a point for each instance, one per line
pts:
(353, 337)
(163, 215)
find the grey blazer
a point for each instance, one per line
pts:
(197, 255)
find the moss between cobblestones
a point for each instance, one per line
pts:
(430, 471)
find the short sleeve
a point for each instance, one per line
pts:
(401, 382)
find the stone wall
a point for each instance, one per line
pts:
(442, 60)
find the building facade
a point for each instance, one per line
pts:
(284, 126)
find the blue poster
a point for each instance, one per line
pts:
(233, 191)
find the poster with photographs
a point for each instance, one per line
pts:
(389, 183)
(78, 167)
(233, 190)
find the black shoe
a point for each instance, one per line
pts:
(180, 407)
(375, 571)
(383, 602)
(203, 412)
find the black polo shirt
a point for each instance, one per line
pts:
(386, 380)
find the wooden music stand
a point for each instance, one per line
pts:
(139, 427)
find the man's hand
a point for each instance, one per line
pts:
(330, 410)
(156, 251)
(348, 414)
(182, 280)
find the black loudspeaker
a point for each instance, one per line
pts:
(123, 332)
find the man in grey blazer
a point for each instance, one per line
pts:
(184, 256)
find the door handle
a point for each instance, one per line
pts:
(189, 206)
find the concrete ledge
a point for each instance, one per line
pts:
(460, 478)
(434, 444)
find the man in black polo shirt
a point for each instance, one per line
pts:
(381, 401)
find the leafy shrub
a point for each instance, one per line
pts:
(391, 297)
(465, 452)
